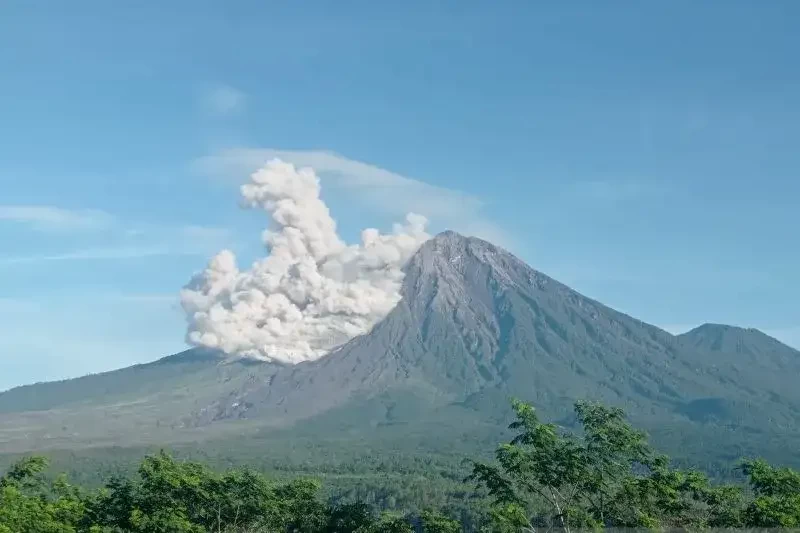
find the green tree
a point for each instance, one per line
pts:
(301, 510)
(186, 497)
(609, 476)
(350, 518)
(435, 522)
(666, 497)
(29, 504)
(392, 523)
(611, 447)
(26, 471)
(777, 496)
(571, 480)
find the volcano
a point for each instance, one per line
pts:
(475, 327)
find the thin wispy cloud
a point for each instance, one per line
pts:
(186, 235)
(189, 240)
(374, 187)
(36, 302)
(131, 298)
(223, 100)
(130, 240)
(99, 254)
(56, 219)
(204, 233)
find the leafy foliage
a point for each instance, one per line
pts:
(168, 496)
(609, 476)
(777, 501)
(28, 504)
(605, 476)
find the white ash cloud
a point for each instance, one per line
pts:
(376, 189)
(312, 292)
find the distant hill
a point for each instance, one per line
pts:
(136, 380)
(476, 326)
(719, 338)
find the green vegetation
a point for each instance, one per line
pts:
(605, 476)
(186, 497)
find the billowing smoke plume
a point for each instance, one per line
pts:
(312, 292)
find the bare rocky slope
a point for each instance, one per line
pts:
(476, 325)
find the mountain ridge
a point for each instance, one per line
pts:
(475, 326)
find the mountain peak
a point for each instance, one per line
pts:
(449, 242)
(449, 234)
(454, 259)
(452, 245)
(735, 339)
(711, 327)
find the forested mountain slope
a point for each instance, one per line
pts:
(476, 326)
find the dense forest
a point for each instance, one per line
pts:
(606, 475)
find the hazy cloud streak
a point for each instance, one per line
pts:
(52, 218)
(92, 254)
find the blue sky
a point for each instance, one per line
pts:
(644, 153)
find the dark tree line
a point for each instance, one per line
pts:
(606, 476)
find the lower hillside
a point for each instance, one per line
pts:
(605, 476)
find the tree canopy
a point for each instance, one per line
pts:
(605, 475)
(608, 475)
